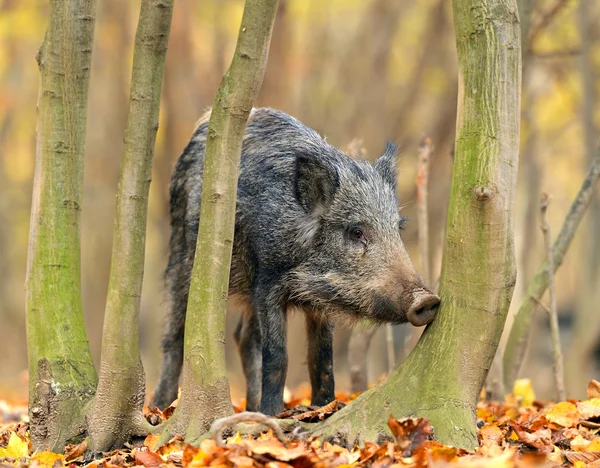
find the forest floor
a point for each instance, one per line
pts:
(518, 432)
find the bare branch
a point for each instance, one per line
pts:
(556, 350)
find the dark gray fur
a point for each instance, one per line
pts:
(301, 206)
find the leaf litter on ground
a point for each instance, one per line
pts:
(517, 432)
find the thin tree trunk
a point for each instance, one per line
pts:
(521, 328)
(442, 377)
(559, 373)
(62, 378)
(358, 352)
(586, 329)
(116, 411)
(205, 388)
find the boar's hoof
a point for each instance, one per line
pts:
(423, 309)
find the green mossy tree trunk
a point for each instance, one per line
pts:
(205, 387)
(62, 378)
(518, 338)
(442, 377)
(116, 412)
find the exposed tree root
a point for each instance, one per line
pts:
(217, 427)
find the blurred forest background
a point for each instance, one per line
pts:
(352, 69)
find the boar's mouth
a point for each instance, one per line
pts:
(423, 309)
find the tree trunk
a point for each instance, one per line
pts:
(586, 328)
(442, 377)
(205, 388)
(358, 353)
(519, 333)
(62, 378)
(116, 411)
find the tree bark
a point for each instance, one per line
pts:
(442, 377)
(116, 412)
(586, 328)
(62, 378)
(519, 333)
(205, 388)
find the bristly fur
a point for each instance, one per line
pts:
(315, 230)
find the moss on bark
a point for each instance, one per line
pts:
(442, 377)
(116, 412)
(205, 388)
(62, 375)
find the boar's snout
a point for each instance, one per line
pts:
(423, 309)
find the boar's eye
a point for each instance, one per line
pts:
(402, 224)
(358, 234)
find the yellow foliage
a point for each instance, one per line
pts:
(524, 389)
(47, 460)
(16, 447)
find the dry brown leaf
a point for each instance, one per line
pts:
(320, 413)
(491, 433)
(148, 459)
(410, 433)
(540, 440)
(586, 457)
(275, 448)
(74, 451)
(593, 389)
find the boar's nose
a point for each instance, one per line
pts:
(423, 309)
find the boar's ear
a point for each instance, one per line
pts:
(315, 183)
(386, 164)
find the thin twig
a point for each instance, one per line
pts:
(556, 350)
(219, 425)
(556, 54)
(391, 354)
(542, 305)
(518, 338)
(425, 150)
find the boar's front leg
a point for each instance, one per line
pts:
(271, 311)
(320, 359)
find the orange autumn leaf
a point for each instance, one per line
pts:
(148, 459)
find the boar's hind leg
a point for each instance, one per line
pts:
(172, 345)
(320, 359)
(270, 310)
(247, 337)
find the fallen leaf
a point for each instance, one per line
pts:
(321, 413)
(593, 389)
(564, 414)
(490, 433)
(523, 389)
(594, 445)
(586, 457)
(275, 448)
(148, 459)
(540, 440)
(151, 441)
(47, 460)
(579, 443)
(410, 433)
(241, 461)
(73, 451)
(16, 447)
